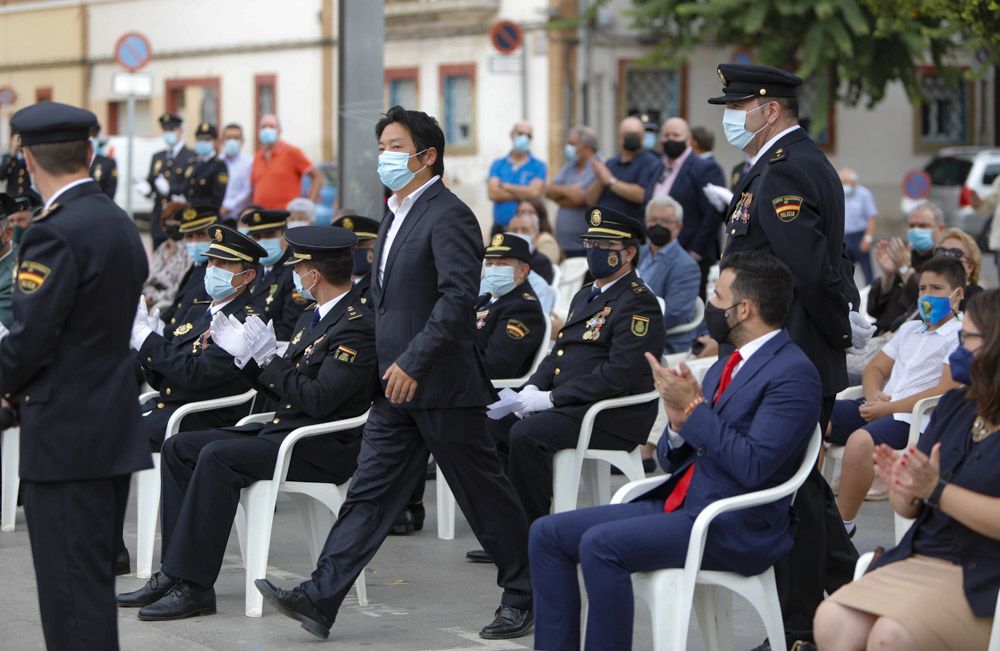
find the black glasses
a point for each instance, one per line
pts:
(949, 252)
(965, 335)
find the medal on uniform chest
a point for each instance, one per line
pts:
(203, 340)
(481, 319)
(297, 338)
(311, 347)
(594, 325)
(270, 294)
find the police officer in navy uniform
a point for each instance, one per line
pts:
(193, 228)
(366, 229)
(274, 293)
(207, 175)
(66, 361)
(13, 169)
(167, 170)
(103, 169)
(791, 203)
(612, 323)
(327, 374)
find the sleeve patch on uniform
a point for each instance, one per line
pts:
(640, 325)
(345, 354)
(787, 207)
(31, 276)
(223, 178)
(516, 329)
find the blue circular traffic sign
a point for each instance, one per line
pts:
(917, 184)
(133, 51)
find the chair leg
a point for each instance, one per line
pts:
(240, 522)
(566, 470)
(762, 593)
(597, 477)
(147, 499)
(634, 470)
(10, 444)
(445, 508)
(670, 614)
(260, 517)
(714, 606)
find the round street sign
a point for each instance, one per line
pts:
(133, 51)
(7, 96)
(506, 36)
(917, 184)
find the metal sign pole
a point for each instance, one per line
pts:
(130, 126)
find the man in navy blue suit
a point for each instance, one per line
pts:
(745, 429)
(685, 175)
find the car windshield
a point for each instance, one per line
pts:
(949, 171)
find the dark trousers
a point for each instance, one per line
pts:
(608, 543)
(526, 446)
(852, 243)
(73, 529)
(823, 556)
(201, 474)
(394, 452)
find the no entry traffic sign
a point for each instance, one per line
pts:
(917, 184)
(133, 51)
(506, 36)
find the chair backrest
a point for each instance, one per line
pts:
(852, 393)
(663, 304)
(543, 350)
(699, 316)
(556, 277)
(699, 367)
(572, 271)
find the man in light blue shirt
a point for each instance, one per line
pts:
(240, 165)
(514, 177)
(569, 190)
(859, 222)
(669, 271)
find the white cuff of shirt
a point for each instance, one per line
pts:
(675, 439)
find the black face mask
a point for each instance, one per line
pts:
(717, 323)
(632, 142)
(673, 148)
(659, 235)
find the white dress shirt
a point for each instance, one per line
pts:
(63, 189)
(325, 308)
(238, 189)
(400, 209)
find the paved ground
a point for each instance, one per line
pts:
(423, 597)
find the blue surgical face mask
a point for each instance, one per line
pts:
(848, 190)
(268, 135)
(303, 292)
(734, 123)
(204, 148)
(604, 262)
(170, 138)
(219, 282)
(648, 140)
(274, 251)
(362, 261)
(499, 280)
(921, 239)
(960, 362)
(522, 143)
(569, 152)
(232, 147)
(934, 309)
(197, 250)
(394, 170)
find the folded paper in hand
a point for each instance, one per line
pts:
(509, 402)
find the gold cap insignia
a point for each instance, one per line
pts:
(722, 77)
(763, 91)
(348, 223)
(497, 240)
(189, 213)
(218, 235)
(595, 217)
(204, 126)
(256, 218)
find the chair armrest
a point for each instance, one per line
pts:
(512, 383)
(293, 437)
(862, 565)
(174, 424)
(635, 489)
(148, 395)
(587, 425)
(699, 316)
(852, 393)
(256, 418)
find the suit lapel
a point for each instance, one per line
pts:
(417, 211)
(383, 232)
(751, 367)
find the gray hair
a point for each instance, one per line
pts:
(666, 201)
(303, 205)
(532, 219)
(588, 136)
(931, 206)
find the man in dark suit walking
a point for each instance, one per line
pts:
(426, 272)
(67, 361)
(791, 203)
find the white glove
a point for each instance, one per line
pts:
(229, 335)
(861, 333)
(142, 187)
(261, 339)
(140, 325)
(178, 197)
(717, 195)
(161, 185)
(3, 331)
(155, 322)
(534, 400)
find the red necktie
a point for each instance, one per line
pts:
(676, 497)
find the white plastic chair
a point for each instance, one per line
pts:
(699, 316)
(866, 560)
(10, 452)
(318, 503)
(147, 482)
(863, 308)
(556, 277)
(445, 498)
(572, 271)
(699, 367)
(670, 593)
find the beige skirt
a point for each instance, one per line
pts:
(924, 595)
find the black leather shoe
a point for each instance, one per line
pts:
(409, 521)
(509, 622)
(157, 586)
(184, 600)
(123, 564)
(295, 604)
(478, 556)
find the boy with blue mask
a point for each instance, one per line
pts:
(914, 365)
(207, 176)
(363, 251)
(166, 173)
(273, 290)
(192, 224)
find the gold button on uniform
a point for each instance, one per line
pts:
(559, 353)
(560, 335)
(27, 398)
(557, 371)
(167, 391)
(160, 405)
(288, 406)
(276, 421)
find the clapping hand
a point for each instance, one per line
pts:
(162, 186)
(914, 475)
(601, 170)
(718, 196)
(140, 325)
(678, 388)
(861, 333)
(228, 334)
(261, 338)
